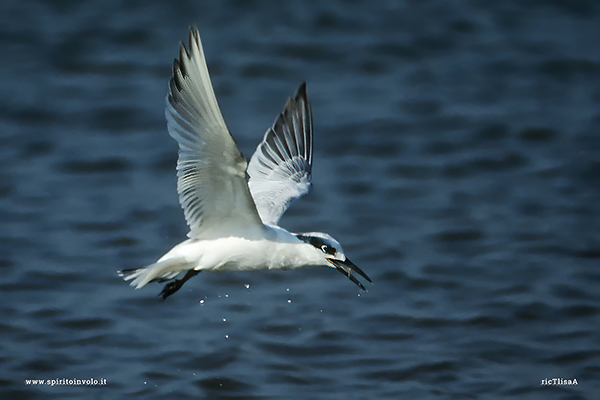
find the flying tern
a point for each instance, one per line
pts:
(231, 206)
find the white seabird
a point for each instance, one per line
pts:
(233, 207)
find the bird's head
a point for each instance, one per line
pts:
(332, 251)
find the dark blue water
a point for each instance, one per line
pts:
(457, 160)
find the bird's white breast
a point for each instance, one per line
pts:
(281, 251)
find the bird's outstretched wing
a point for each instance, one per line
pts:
(212, 184)
(280, 168)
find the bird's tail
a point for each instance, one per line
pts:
(158, 272)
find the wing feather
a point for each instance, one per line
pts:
(280, 168)
(212, 184)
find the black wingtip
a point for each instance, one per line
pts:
(184, 54)
(301, 91)
(174, 82)
(186, 51)
(194, 38)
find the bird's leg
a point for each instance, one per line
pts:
(176, 284)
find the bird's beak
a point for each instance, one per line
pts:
(346, 267)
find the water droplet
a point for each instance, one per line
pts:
(226, 336)
(145, 382)
(226, 295)
(202, 301)
(224, 319)
(289, 301)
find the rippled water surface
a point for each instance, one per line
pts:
(457, 159)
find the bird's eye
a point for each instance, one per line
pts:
(327, 249)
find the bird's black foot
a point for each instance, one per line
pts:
(176, 284)
(170, 288)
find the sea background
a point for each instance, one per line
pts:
(457, 159)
